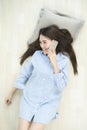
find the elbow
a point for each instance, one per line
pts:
(62, 85)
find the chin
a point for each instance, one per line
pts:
(45, 51)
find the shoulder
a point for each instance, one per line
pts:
(37, 52)
(35, 55)
(61, 56)
(63, 60)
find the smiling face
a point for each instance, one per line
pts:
(45, 42)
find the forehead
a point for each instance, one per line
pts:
(42, 37)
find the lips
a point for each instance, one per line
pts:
(45, 49)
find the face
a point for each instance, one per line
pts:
(45, 42)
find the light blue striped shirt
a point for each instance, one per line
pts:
(38, 80)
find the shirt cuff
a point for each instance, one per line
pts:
(19, 86)
(57, 75)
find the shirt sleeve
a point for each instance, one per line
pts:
(60, 78)
(24, 74)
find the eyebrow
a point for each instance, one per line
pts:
(42, 40)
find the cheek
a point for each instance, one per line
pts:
(45, 45)
(49, 43)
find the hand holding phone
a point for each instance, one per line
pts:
(53, 45)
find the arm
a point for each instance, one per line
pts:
(10, 95)
(60, 69)
(61, 74)
(21, 79)
(25, 73)
(20, 82)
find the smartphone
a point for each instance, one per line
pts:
(54, 45)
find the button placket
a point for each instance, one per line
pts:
(43, 88)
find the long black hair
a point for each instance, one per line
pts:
(64, 46)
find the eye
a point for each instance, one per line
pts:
(44, 42)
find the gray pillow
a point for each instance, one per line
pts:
(48, 17)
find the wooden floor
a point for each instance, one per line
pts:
(17, 22)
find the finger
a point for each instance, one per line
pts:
(47, 51)
(54, 51)
(50, 51)
(8, 101)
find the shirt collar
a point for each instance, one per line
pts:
(43, 53)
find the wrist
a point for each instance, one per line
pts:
(13, 91)
(11, 94)
(56, 69)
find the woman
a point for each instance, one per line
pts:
(44, 77)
